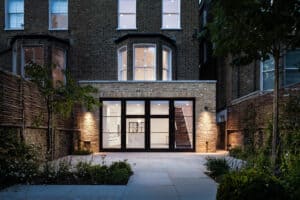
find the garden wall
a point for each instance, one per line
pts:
(22, 108)
(254, 111)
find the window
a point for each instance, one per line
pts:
(292, 67)
(122, 64)
(291, 73)
(59, 62)
(144, 60)
(14, 18)
(58, 15)
(171, 14)
(167, 64)
(32, 54)
(127, 14)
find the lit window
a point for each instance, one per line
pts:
(171, 14)
(32, 55)
(59, 65)
(122, 63)
(14, 14)
(144, 62)
(127, 14)
(167, 64)
(58, 15)
(292, 67)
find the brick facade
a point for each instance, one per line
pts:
(203, 92)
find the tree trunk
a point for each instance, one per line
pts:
(275, 135)
(49, 131)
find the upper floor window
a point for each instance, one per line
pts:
(58, 14)
(171, 14)
(290, 74)
(14, 18)
(127, 14)
(167, 64)
(122, 63)
(144, 59)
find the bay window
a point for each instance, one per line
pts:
(14, 18)
(127, 14)
(292, 67)
(167, 64)
(58, 15)
(144, 60)
(59, 62)
(34, 54)
(171, 14)
(122, 64)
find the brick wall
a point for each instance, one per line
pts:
(203, 92)
(261, 104)
(93, 31)
(22, 108)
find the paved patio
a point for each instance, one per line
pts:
(156, 176)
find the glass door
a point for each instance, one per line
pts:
(135, 124)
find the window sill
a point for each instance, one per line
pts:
(171, 29)
(126, 29)
(14, 29)
(58, 29)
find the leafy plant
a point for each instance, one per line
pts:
(250, 184)
(82, 152)
(217, 167)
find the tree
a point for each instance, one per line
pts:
(60, 97)
(253, 30)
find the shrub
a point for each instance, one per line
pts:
(119, 176)
(217, 167)
(19, 162)
(237, 152)
(250, 184)
(98, 173)
(121, 165)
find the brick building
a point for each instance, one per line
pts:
(143, 55)
(242, 90)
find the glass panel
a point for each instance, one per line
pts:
(292, 76)
(127, 21)
(111, 124)
(293, 59)
(159, 108)
(171, 21)
(122, 63)
(59, 21)
(268, 80)
(167, 64)
(16, 21)
(268, 64)
(58, 60)
(145, 62)
(183, 124)
(33, 54)
(159, 134)
(127, 6)
(135, 133)
(171, 6)
(135, 107)
(59, 6)
(15, 6)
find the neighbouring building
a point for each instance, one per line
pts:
(142, 55)
(244, 93)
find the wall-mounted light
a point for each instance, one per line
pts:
(205, 108)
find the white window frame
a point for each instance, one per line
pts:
(65, 59)
(155, 57)
(262, 75)
(119, 14)
(170, 61)
(6, 4)
(179, 17)
(50, 14)
(120, 67)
